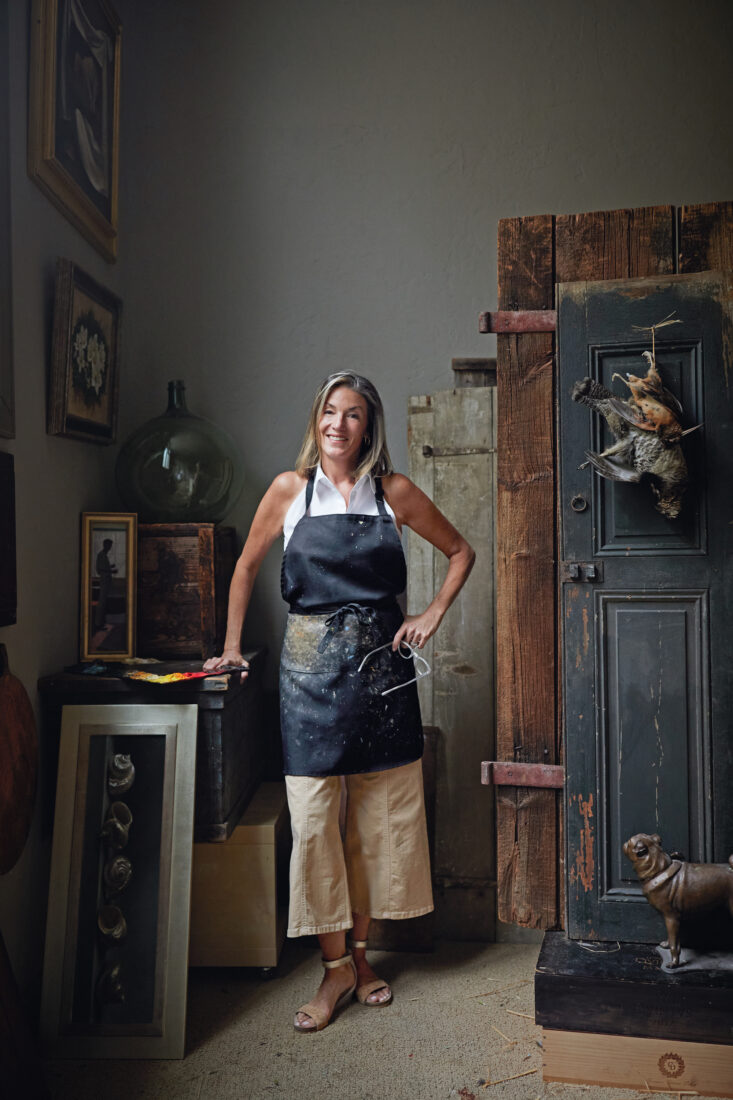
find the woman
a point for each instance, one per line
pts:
(348, 700)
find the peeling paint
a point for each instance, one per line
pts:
(583, 870)
(586, 632)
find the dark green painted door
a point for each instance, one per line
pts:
(647, 644)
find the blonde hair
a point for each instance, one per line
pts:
(373, 457)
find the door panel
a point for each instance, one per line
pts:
(647, 646)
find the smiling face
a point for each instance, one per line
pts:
(342, 425)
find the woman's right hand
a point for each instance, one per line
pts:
(230, 658)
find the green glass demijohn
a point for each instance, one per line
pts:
(179, 468)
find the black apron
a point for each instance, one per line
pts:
(341, 575)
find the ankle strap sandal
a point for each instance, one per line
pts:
(320, 1018)
(363, 992)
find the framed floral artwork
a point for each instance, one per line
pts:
(85, 357)
(74, 108)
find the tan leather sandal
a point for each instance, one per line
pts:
(320, 1018)
(364, 991)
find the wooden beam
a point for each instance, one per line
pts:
(706, 237)
(526, 817)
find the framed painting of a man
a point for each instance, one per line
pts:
(108, 585)
(73, 127)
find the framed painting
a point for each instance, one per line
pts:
(8, 582)
(85, 358)
(108, 585)
(116, 955)
(73, 118)
(7, 403)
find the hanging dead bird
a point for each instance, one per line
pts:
(647, 431)
(657, 407)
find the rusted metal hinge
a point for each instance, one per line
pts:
(505, 773)
(518, 320)
(449, 452)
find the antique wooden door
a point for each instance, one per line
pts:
(646, 604)
(534, 255)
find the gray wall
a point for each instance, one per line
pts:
(308, 186)
(317, 185)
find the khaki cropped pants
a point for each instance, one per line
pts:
(381, 868)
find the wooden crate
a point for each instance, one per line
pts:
(632, 1062)
(184, 570)
(237, 913)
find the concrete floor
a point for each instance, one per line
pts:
(461, 1017)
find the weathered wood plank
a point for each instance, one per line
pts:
(526, 819)
(463, 657)
(706, 237)
(420, 557)
(614, 244)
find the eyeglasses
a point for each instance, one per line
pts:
(411, 652)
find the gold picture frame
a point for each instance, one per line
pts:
(115, 969)
(74, 110)
(108, 585)
(84, 378)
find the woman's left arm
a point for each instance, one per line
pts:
(416, 510)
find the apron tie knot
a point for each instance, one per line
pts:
(335, 621)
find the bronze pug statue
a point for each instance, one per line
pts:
(678, 889)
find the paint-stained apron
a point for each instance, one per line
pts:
(341, 575)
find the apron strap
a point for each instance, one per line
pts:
(309, 490)
(379, 496)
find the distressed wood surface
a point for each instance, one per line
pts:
(534, 253)
(706, 237)
(452, 449)
(463, 656)
(420, 558)
(614, 244)
(623, 990)
(526, 726)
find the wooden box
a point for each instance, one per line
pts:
(611, 1016)
(238, 915)
(184, 570)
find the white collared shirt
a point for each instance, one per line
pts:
(327, 501)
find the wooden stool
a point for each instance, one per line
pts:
(237, 914)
